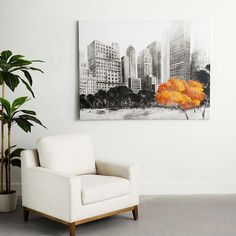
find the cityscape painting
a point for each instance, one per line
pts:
(144, 70)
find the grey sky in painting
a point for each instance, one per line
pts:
(137, 33)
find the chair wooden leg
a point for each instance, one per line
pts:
(135, 212)
(25, 214)
(72, 229)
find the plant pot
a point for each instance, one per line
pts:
(8, 201)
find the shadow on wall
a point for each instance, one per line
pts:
(77, 103)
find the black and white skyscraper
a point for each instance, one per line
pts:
(155, 51)
(180, 49)
(104, 62)
(148, 81)
(130, 53)
(129, 71)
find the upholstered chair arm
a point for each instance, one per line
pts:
(119, 169)
(52, 193)
(115, 168)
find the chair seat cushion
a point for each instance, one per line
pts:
(96, 188)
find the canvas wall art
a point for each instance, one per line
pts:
(144, 70)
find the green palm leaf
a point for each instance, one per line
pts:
(16, 152)
(23, 124)
(1, 78)
(20, 62)
(5, 55)
(6, 105)
(16, 162)
(11, 80)
(15, 58)
(9, 64)
(6, 151)
(28, 76)
(32, 118)
(18, 102)
(27, 86)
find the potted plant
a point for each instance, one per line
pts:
(8, 201)
(13, 70)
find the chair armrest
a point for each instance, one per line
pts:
(123, 170)
(29, 158)
(52, 193)
(115, 168)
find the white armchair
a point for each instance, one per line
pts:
(62, 181)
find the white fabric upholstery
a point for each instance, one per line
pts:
(123, 170)
(96, 188)
(30, 159)
(98, 208)
(63, 196)
(52, 193)
(70, 153)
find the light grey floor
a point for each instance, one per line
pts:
(198, 215)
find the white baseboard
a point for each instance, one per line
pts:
(187, 188)
(151, 188)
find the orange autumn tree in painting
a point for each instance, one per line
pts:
(181, 94)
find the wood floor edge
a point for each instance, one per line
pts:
(47, 216)
(83, 221)
(105, 215)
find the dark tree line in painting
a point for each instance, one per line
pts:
(123, 97)
(116, 98)
(203, 76)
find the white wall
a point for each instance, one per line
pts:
(174, 156)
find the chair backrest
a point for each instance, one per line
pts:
(29, 158)
(69, 153)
